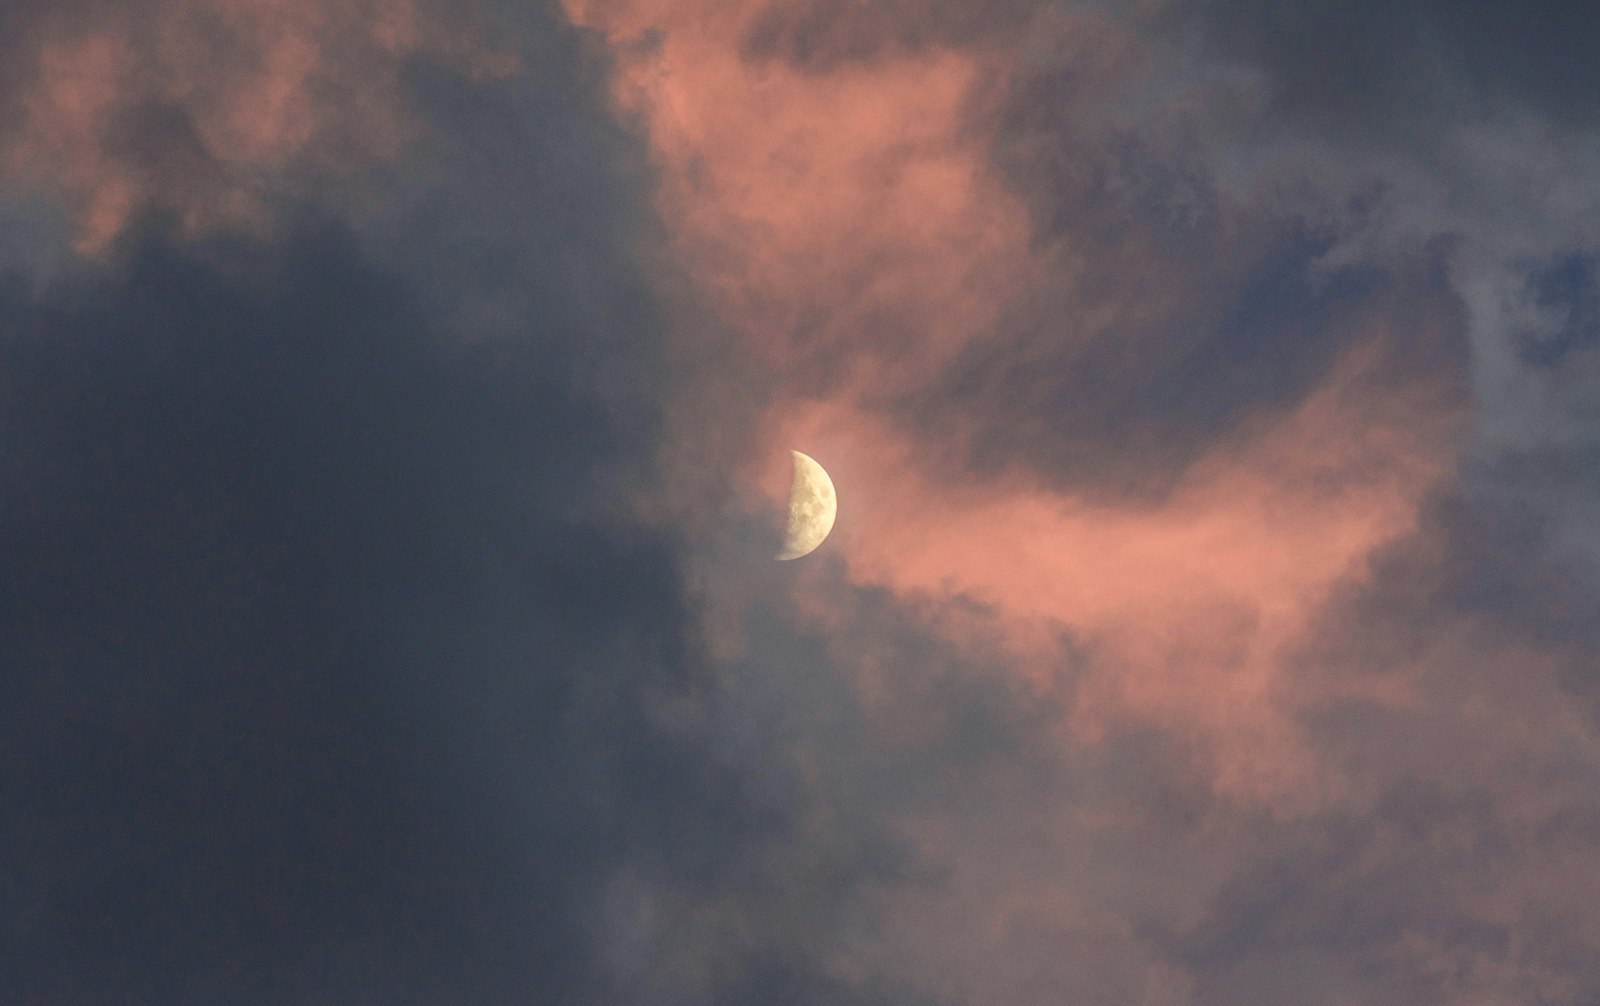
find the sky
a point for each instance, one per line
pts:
(395, 410)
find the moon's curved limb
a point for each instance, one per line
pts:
(813, 505)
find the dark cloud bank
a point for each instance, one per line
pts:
(319, 683)
(331, 650)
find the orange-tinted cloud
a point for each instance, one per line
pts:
(1190, 715)
(1191, 607)
(202, 107)
(848, 221)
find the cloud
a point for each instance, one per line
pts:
(1207, 618)
(1463, 126)
(824, 35)
(1367, 70)
(759, 192)
(207, 108)
(342, 662)
(1170, 415)
(1040, 398)
(322, 684)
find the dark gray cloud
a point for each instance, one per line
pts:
(338, 665)
(1251, 191)
(1247, 342)
(1474, 123)
(329, 672)
(1390, 71)
(818, 35)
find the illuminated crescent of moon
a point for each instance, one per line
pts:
(812, 507)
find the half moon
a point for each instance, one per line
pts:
(812, 507)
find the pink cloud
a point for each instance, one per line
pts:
(842, 221)
(241, 94)
(848, 223)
